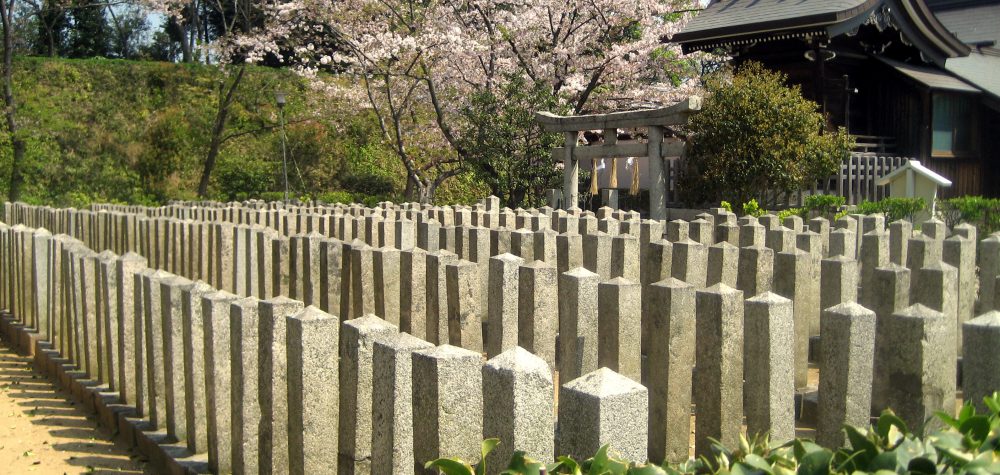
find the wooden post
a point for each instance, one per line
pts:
(657, 182)
(571, 172)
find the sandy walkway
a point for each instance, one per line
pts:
(42, 430)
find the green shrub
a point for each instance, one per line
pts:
(970, 443)
(240, 178)
(800, 212)
(984, 213)
(755, 137)
(726, 206)
(751, 208)
(273, 196)
(893, 208)
(344, 197)
(824, 205)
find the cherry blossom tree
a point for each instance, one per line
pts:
(416, 60)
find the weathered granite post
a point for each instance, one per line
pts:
(934, 229)
(464, 312)
(670, 364)
(752, 234)
(244, 402)
(597, 253)
(781, 239)
(413, 296)
(921, 252)
(392, 406)
(891, 291)
(723, 264)
(171, 306)
(569, 251)
(311, 339)
(874, 254)
(545, 245)
(989, 270)
(900, 232)
(503, 304)
(387, 266)
(850, 239)
(538, 312)
(362, 280)
(355, 437)
(676, 230)
(603, 407)
(981, 361)
(522, 244)
(838, 281)
(272, 384)
(153, 345)
(848, 348)
(447, 405)
(843, 243)
(718, 383)
(437, 295)
(625, 257)
(938, 289)
(577, 323)
(921, 371)
(960, 253)
(619, 327)
(41, 276)
(770, 380)
(756, 270)
(688, 262)
(193, 335)
(129, 328)
(700, 230)
(794, 279)
(517, 389)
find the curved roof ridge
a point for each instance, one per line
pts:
(729, 22)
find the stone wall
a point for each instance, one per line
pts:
(266, 338)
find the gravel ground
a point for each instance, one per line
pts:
(42, 429)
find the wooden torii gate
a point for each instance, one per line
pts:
(654, 149)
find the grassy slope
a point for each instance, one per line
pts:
(112, 130)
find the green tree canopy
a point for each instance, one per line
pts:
(505, 146)
(755, 138)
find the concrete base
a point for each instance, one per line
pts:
(163, 457)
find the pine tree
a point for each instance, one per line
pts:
(90, 35)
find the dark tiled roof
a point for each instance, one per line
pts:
(732, 17)
(979, 68)
(972, 24)
(933, 78)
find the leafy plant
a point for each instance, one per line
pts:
(984, 213)
(893, 208)
(970, 443)
(751, 208)
(505, 147)
(755, 137)
(800, 212)
(824, 205)
(456, 466)
(726, 206)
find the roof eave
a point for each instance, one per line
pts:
(739, 32)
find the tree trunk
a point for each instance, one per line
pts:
(10, 110)
(221, 115)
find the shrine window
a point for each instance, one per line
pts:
(953, 121)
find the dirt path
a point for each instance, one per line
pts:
(43, 431)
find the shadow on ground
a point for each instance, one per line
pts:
(43, 430)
